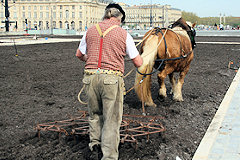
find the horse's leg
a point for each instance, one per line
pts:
(177, 91)
(162, 91)
(173, 82)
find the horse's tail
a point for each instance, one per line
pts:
(143, 84)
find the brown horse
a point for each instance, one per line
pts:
(168, 50)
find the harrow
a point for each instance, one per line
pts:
(132, 126)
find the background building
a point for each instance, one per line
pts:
(48, 14)
(79, 15)
(146, 16)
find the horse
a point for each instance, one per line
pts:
(168, 50)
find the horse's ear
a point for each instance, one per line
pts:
(194, 24)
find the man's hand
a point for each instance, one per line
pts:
(81, 56)
(137, 61)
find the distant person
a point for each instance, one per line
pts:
(221, 26)
(215, 26)
(238, 27)
(228, 27)
(104, 57)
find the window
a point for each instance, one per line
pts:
(29, 8)
(41, 14)
(72, 25)
(40, 24)
(41, 7)
(67, 14)
(60, 6)
(47, 14)
(60, 15)
(23, 14)
(54, 15)
(29, 14)
(54, 24)
(54, 7)
(66, 25)
(80, 25)
(14, 14)
(73, 7)
(80, 14)
(23, 8)
(47, 8)
(73, 14)
(80, 7)
(47, 24)
(60, 24)
(35, 7)
(35, 14)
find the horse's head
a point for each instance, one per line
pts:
(192, 33)
(189, 27)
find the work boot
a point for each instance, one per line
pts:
(96, 154)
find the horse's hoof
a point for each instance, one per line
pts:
(178, 99)
(150, 104)
(161, 98)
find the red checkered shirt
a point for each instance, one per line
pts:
(113, 49)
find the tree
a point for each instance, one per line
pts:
(191, 17)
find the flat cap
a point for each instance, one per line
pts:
(115, 5)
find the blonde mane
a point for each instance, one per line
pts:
(149, 55)
(181, 31)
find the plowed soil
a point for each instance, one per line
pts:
(42, 83)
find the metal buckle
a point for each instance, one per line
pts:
(98, 71)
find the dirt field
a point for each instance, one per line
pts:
(42, 83)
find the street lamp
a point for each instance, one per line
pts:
(6, 14)
(151, 15)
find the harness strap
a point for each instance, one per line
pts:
(102, 35)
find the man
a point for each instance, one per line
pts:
(103, 48)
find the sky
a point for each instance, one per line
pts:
(202, 8)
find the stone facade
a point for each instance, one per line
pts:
(146, 16)
(81, 14)
(62, 14)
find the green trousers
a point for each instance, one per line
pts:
(105, 107)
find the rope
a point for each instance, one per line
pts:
(158, 43)
(128, 73)
(140, 82)
(144, 74)
(145, 38)
(79, 94)
(151, 52)
(163, 60)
